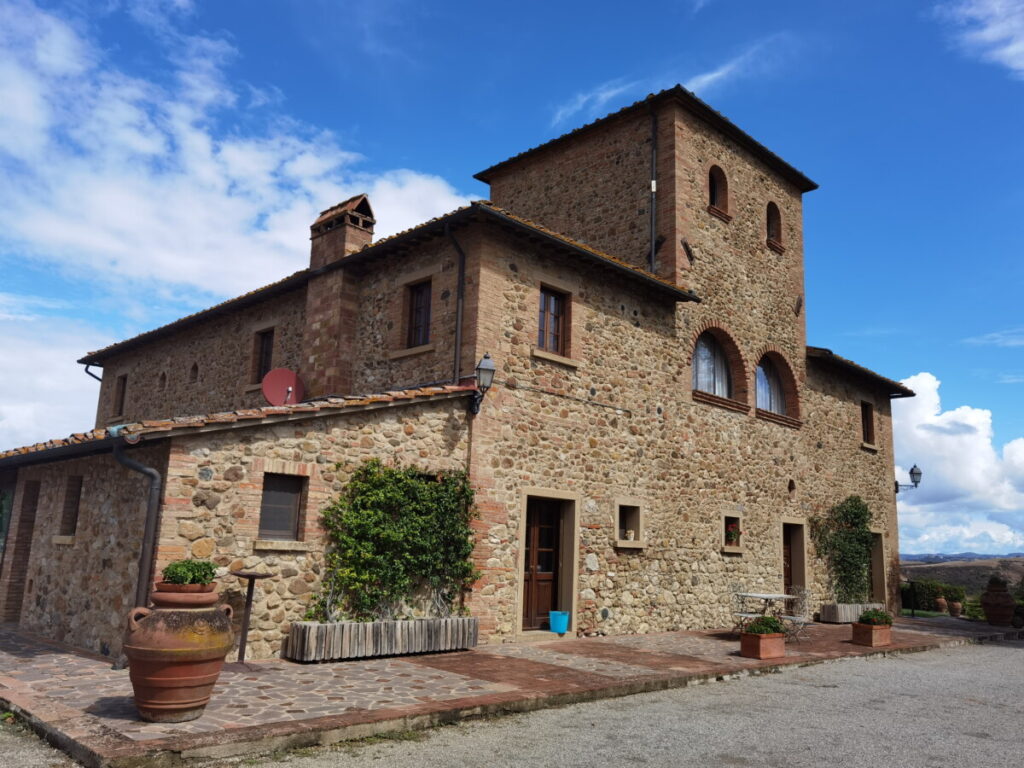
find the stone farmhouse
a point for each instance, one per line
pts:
(637, 282)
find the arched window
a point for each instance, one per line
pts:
(193, 374)
(711, 367)
(770, 394)
(718, 189)
(773, 220)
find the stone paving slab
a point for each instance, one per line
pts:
(82, 705)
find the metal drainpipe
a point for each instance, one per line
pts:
(654, 187)
(152, 512)
(460, 301)
(93, 374)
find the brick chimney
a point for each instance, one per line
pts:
(332, 297)
(343, 229)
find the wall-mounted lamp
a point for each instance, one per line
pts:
(484, 379)
(915, 478)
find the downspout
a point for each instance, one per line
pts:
(654, 188)
(460, 302)
(152, 513)
(100, 380)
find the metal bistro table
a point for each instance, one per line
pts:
(767, 598)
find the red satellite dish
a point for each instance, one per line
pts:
(283, 387)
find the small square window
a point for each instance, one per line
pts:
(262, 355)
(418, 314)
(72, 501)
(732, 533)
(552, 322)
(630, 525)
(281, 505)
(867, 422)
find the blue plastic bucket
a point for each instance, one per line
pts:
(559, 621)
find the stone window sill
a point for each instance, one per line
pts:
(64, 541)
(397, 354)
(733, 549)
(630, 544)
(281, 545)
(776, 246)
(700, 396)
(778, 418)
(719, 213)
(869, 447)
(551, 357)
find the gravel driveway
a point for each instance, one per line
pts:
(956, 706)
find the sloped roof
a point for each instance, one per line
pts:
(694, 105)
(101, 439)
(894, 388)
(431, 227)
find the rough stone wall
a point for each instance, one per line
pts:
(594, 188)
(222, 347)
(79, 589)
(214, 489)
(619, 420)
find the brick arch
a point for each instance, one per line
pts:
(790, 386)
(733, 355)
(718, 189)
(773, 223)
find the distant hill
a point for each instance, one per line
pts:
(945, 558)
(971, 573)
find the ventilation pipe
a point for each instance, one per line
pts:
(654, 189)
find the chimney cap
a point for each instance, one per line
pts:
(358, 204)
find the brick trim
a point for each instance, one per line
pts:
(778, 418)
(700, 396)
(733, 355)
(790, 385)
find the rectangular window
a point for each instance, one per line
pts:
(418, 313)
(551, 322)
(630, 524)
(732, 533)
(867, 422)
(263, 355)
(279, 510)
(72, 500)
(120, 389)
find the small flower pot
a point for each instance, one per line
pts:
(755, 646)
(872, 635)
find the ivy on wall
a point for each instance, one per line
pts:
(843, 539)
(396, 533)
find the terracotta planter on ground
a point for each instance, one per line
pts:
(755, 646)
(872, 635)
(955, 609)
(998, 604)
(941, 605)
(176, 651)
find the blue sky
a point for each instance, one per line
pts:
(157, 156)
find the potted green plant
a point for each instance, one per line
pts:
(763, 638)
(956, 597)
(732, 534)
(176, 650)
(873, 628)
(843, 539)
(997, 602)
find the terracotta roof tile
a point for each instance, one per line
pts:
(895, 388)
(157, 426)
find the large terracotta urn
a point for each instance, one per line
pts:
(998, 603)
(176, 651)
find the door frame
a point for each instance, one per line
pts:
(799, 555)
(568, 555)
(879, 585)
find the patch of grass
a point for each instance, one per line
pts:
(7, 717)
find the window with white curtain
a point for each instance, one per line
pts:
(770, 396)
(711, 367)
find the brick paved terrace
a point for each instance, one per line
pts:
(79, 703)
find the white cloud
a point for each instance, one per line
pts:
(757, 58)
(1013, 337)
(592, 102)
(971, 497)
(992, 30)
(46, 394)
(185, 181)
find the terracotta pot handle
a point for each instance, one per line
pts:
(136, 615)
(227, 610)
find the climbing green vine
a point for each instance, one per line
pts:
(843, 538)
(396, 534)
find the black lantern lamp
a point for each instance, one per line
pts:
(484, 379)
(915, 479)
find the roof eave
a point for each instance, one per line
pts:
(895, 390)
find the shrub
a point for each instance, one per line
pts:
(843, 538)
(765, 625)
(925, 591)
(875, 616)
(973, 610)
(997, 581)
(955, 594)
(395, 532)
(190, 572)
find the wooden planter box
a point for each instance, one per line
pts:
(846, 613)
(314, 641)
(872, 635)
(754, 646)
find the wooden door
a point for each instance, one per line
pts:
(540, 577)
(787, 558)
